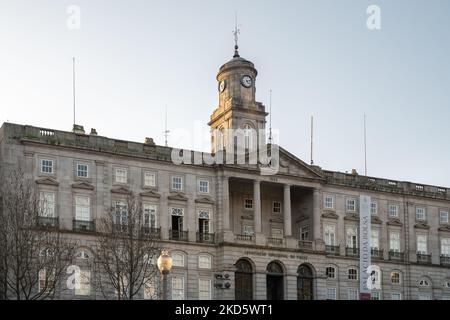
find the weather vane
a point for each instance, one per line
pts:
(236, 33)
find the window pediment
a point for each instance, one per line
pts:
(394, 222)
(330, 215)
(421, 225)
(206, 200)
(177, 196)
(48, 181)
(150, 194)
(121, 190)
(444, 228)
(376, 220)
(352, 217)
(83, 185)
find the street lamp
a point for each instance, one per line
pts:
(164, 265)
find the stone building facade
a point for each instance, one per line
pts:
(233, 232)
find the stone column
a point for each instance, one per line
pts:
(287, 211)
(226, 203)
(190, 224)
(257, 205)
(317, 224)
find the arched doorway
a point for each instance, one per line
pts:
(274, 280)
(243, 280)
(305, 278)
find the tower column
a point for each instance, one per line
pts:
(287, 211)
(257, 205)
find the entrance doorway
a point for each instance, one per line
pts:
(275, 281)
(305, 283)
(243, 280)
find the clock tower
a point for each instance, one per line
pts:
(237, 108)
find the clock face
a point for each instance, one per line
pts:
(247, 81)
(222, 85)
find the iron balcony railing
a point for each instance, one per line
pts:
(48, 222)
(396, 255)
(244, 237)
(178, 235)
(334, 250)
(376, 253)
(151, 232)
(275, 241)
(305, 244)
(445, 260)
(423, 258)
(352, 252)
(205, 237)
(83, 226)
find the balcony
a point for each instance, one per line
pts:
(445, 260)
(352, 252)
(275, 241)
(48, 222)
(332, 250)
(396, 255)
(305, 244)
(151, 233)
(376, 254)
(423, 258)
(205, 237)
(83, 226)
(244, 237)
(178, 235)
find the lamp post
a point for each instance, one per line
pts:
(164, 265)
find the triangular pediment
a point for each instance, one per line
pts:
(421, 225)
(48, 181)
(376, 220)
(121, 190)
(177, 196)
(352, 217)
(206, 200)
(83, 185)
(290, 164)
(394, 222)
(444, 228)
(330, 215)
(150, 194)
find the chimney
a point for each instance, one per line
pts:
(149, 141)
(93, 132)
(354, 172)
(78, 129)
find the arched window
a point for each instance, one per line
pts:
(305, 283)
(243, 280)
(204, 261)
(352, 274)
(330, 272)
(83, 254)
(275, 268)
(395, 277)
(248, 136)
(424, 282)
(178, 259)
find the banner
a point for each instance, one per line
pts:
(364, 247)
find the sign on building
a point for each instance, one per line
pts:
(364, 247)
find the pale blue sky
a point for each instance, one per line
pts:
(319, 58)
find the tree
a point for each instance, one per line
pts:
(33, 258)
(126, 251)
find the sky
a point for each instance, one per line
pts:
(133, 58)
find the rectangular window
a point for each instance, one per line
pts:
(330, 272)
(420, 213)
(248, 230)
(82, 208)
(276, 207)
(394, 241)
(121, 213)
(352, 294)
(351, 205)
(331, 293)
(149, 215)
(121, 175)
(393, 211)
(443, 216)
(396, 296)
(424, 296)
(204, 289)
(422, 244)
(329, 202)
(177, 183)
(178, 260)
(375, 295)
(445, 247)
(149, 179)
(373, 208)
(82, 170)
(352, 274)
(85, 284)
(352, 237)
(203, 186)
(248, 203)
(177, 288)
(304, 233)
(46, 166)
(330, 235)
(374, 239)
(47, 204)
